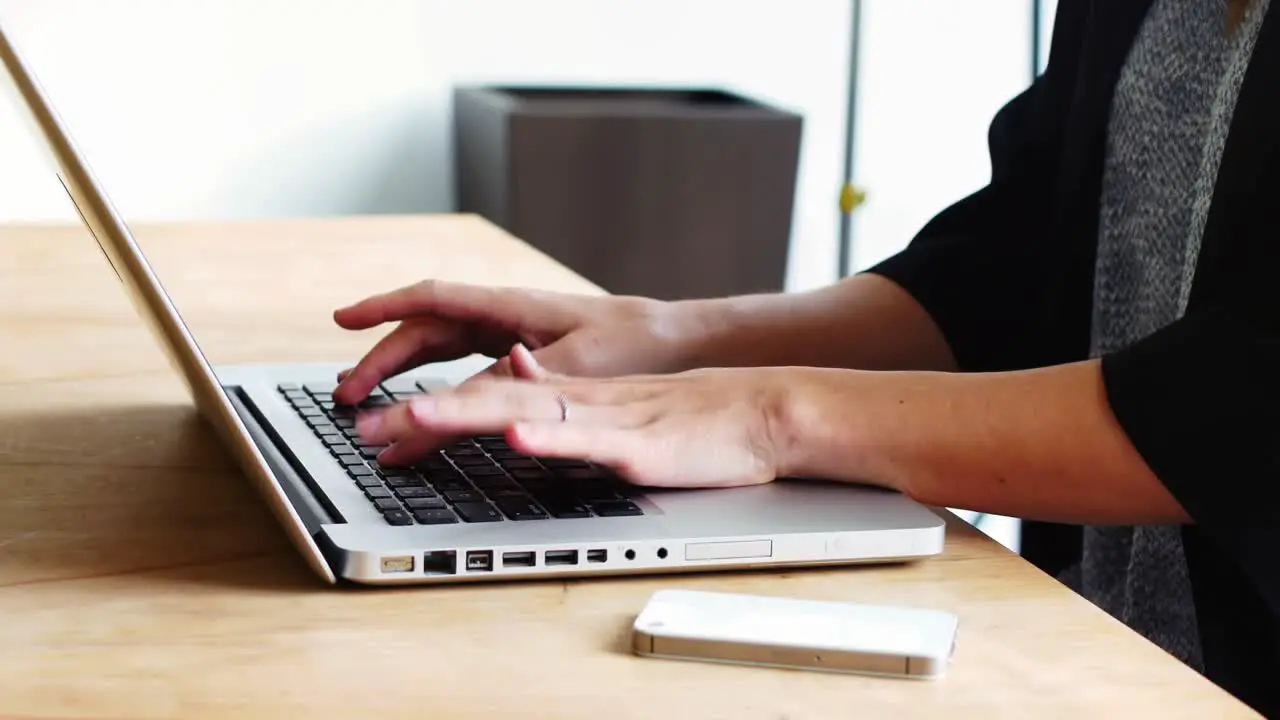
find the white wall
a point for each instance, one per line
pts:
(934, 73)
(196, 109)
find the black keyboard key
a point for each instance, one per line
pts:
(477, 512)
(313, 388)
(368, 481)
(404, 482)
(385, 504)
(495, 482)
(616, 508)
(431, 503)
(435, 517)
(565, 508)
(370, 452)
(311, 412)
(466, 462)
(322, 397)
(344, 423)
(594, 492)
(563, 463)
(414, 492)
(505, 491)
(520, 510)
(449, 475)
(524, 475)
(434, 461)
(398, 517)
(449, 485)
(463, 450)
(350, 460)
(521, 463)
(462, 496)
(484, 471)
(334, 440)
(377, 493)
(585, 473)
(361, 471)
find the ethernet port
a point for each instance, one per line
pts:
(440, 562)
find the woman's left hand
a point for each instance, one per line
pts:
(706, 428)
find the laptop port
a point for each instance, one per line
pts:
(517, 559)
(479, 560)
(440, 562)
(398, 564)
(597, 556)
(662, 553)
(561, 557)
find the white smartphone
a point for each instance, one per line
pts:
(792, 633)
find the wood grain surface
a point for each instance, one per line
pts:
(140, 577)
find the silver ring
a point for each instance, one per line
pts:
(564, 407)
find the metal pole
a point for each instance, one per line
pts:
(1037, 17)
(846, 214)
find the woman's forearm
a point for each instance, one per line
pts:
(864, 322)
(1038, 444)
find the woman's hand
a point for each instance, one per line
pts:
(710, 428)
(580, 335)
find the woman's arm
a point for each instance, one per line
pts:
(1037, 444)
(865, 321)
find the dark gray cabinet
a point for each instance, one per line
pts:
(664, 193)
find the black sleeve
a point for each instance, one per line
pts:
(1200, 401)
(980, 267)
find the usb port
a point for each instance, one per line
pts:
(517, 559)
(595, 556)
(561, 557)
(479, 560)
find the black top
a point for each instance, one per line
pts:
(1007, 274)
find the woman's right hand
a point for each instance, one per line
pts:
(578, 335)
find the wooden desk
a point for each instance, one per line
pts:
(141, 577)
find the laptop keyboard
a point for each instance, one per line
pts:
(478, 480)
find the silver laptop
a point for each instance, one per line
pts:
(477, 510)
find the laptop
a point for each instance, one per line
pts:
(476, 510)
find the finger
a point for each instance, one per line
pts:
(454, 301)
(485, 408)
(524, 365)
(616, 448)
(406, 347)
(413, 448)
